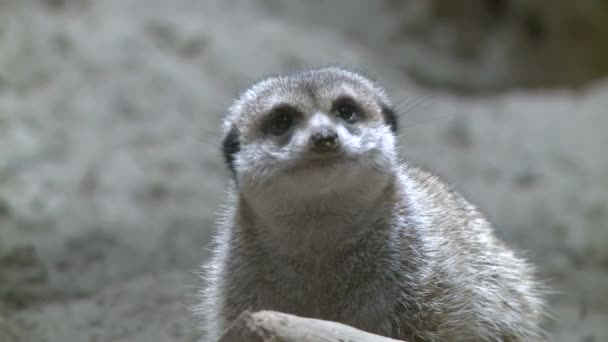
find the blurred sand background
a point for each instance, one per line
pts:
(110, 172)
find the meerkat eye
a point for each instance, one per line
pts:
(280, 120)
(347, 110)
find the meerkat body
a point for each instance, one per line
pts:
(324, 221)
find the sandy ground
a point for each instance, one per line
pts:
(110, 172)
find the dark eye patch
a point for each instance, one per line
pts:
(231, 145)
(347, 109)
(280, 120)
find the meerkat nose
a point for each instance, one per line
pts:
(324, 140)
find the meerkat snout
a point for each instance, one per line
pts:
(324, 140)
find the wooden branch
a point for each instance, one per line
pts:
(271, 326)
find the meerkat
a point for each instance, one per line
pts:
(324, 220)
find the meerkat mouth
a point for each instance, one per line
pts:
(322, 161)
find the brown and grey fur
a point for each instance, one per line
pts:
(367, 241)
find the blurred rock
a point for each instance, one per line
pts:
(493, 44)
(23, 279)
(473, 45)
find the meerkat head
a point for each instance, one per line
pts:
(310, 133)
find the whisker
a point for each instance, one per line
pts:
(408, 105)
(427, 120)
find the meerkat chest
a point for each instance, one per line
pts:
(350, 289)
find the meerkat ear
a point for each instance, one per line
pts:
(390, 117)
(230, 147)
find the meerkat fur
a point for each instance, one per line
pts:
(324, 220)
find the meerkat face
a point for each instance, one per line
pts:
(310, 133)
